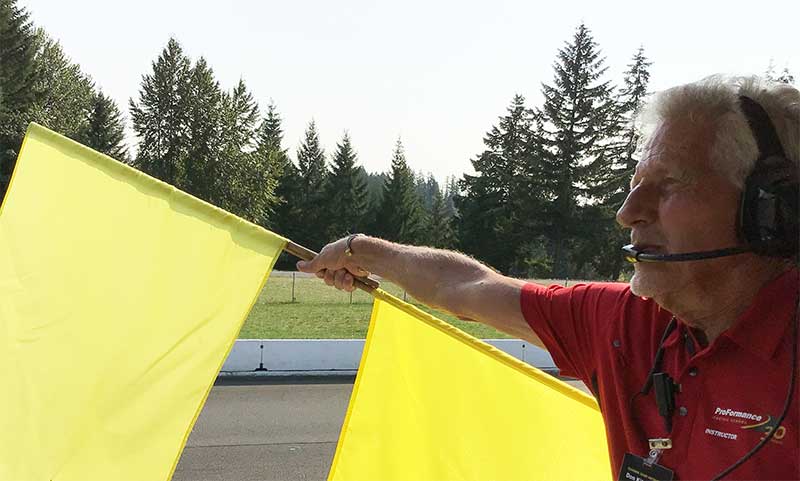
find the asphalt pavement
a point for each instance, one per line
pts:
(268, 429)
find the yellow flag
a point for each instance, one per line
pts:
(120, 298)
(432, 403)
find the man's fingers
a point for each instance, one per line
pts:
(349, 284)
(329, 277)
(325, 266)
(338, 279)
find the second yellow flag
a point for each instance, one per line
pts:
(432, 403)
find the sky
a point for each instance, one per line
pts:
(435, 74)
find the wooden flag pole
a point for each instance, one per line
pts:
(364, 283)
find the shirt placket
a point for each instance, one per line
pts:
(688, 366)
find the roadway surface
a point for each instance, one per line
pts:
(267, 429)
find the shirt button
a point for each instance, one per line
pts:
(693, 371)
(683, 411)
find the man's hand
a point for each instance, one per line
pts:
(334, 266)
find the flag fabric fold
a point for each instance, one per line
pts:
(432, 403)
(120, 298)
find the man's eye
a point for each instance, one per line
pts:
(671, 183)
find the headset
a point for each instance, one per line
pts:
(768, 221)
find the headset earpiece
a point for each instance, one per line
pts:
(768, 213)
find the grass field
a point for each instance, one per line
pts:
(322, 312)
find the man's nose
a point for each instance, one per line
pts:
(640, 206)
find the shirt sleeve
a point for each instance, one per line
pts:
(571, 321)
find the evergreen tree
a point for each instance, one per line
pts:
(346, 192)
(575, 118)
(106, 130)
(287, 219)
(160, 116)
(499, 205)
(17, 78)
(65, 95)
(270, 141)
(400, 216)
(248, 182)
(203, 169)
(769, 74)
(374, 183)
(288, 216)
(451, 191)
(612, 185)
(439, 226)
(311, 161)
(313, 174)
(784, 77)
(427, 188)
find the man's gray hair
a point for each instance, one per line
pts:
(715, 99)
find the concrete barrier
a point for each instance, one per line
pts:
(336, 356)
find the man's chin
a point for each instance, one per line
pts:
(643, 285)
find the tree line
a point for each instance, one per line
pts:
(541, 203)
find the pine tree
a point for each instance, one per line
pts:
(786, 77)
(311, 161)
(106, 129)
(575, 118)
(17, 78)
(769, 73)
(451, 191)
(499, 205)
(65, 95)
(313, 174)
(612, 184)
(427, 187)
(439, 226)
(375, 183)
(204, 134)
(346, 192)
(287, 219)
(270, 141)
(400, 216)
(248, 183)
(160, 116)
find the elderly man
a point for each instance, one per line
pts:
(694, 364)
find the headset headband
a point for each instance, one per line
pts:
(762, 127)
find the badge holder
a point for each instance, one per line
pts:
(637, 468)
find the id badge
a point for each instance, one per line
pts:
(636, 468)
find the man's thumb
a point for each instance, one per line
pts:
(305, 266)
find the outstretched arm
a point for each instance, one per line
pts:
(442, 279)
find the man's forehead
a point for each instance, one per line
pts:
(675, 147)
(663, 157)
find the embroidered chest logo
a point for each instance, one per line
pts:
(747, 421)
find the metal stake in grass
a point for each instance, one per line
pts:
(364, 283)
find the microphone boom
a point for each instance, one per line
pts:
(633, 256)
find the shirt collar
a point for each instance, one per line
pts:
(761, 328)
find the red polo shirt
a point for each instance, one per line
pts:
(731, 390)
